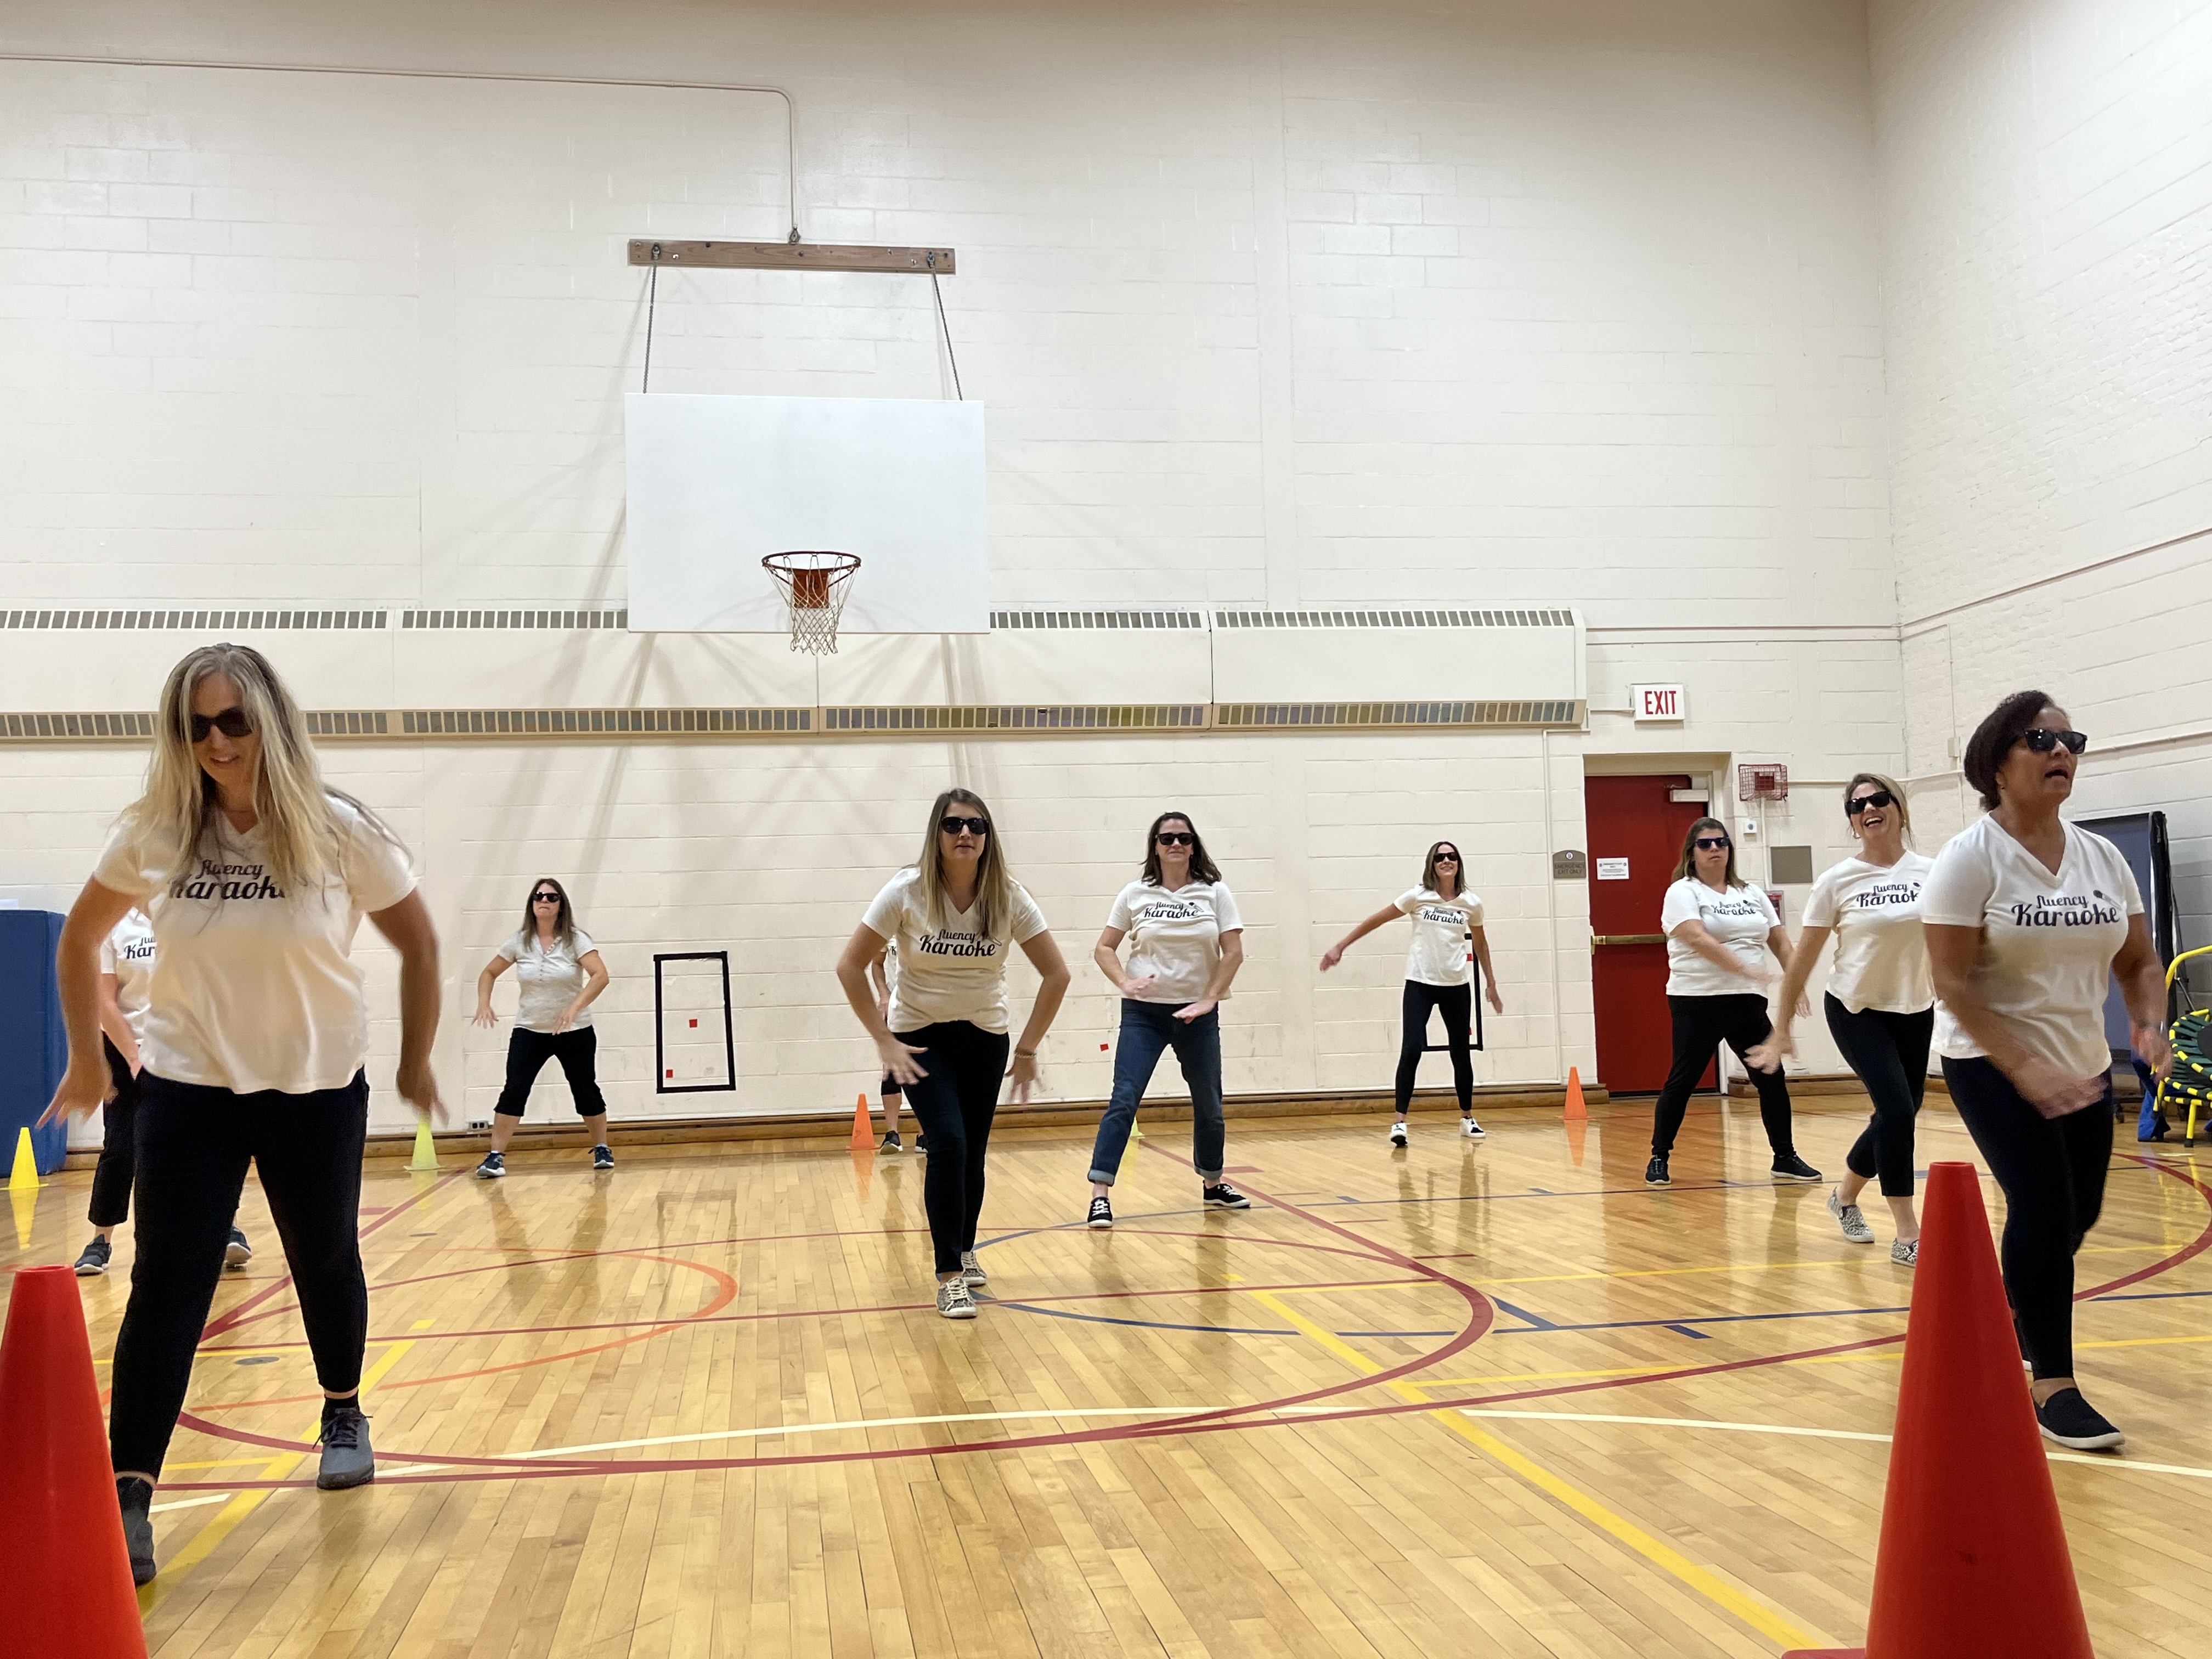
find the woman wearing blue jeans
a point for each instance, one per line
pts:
(1186, 944)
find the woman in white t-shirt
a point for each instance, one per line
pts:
(1447, 919)
(126, 974)
(1186, 944)
(256, 875)
(562, 974)
(1881, 1003)
(956, 911)
(2028, 918)
(1719, 930)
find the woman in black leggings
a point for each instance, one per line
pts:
(2027, 918)
(954, 912)
(1719, 929)
(1445, 917)
(1881, 1004)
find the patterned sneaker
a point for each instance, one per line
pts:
(1470, 1128)
(136, 1496)
(1398, 1133)
(493, 1167)
(1850, 1218)
(1223, 1196)
(603, 1156)
(1905, 1253)
(348, 1460)
(891, 1142)
(2074, 1423)
(237, 1253)
(953, 1300)
(1654, 1172)
(94, 1262)
(971, 1270)
(1790, 1167)
(1101, 1213)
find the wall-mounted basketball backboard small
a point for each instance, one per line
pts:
(717, 483)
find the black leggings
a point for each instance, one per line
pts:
(1701, 1025)
(2051, 1171)
(1889, 1051)
(119, 1149)
(194, 1144)
(1457, 1002)
(577, 1049)
(961, 1065)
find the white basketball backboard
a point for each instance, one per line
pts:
(717, 482)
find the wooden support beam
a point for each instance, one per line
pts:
(791, 256)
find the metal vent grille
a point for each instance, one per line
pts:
(1251, 716)
(196, 620)
(593, 617)
(1124, 618)
(77, 727)
(1394, 618)
(549, 722)
(1061, 717)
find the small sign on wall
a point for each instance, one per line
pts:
(1612, 869)
(1660, 702)
(1569, 864)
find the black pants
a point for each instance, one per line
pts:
(119, 1148)
(1701, 1025)
(962, 1067)
(194, 1144)
(577, 1049)
(1889, 1051)
(1457, 1002)
(2051, 1171)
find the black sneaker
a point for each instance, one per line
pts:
(2074, 1423)
(603, 1156)
(493, 1167)
(94, 1262)
(1223, 1196)
(1654, 1172)
(137, 1496)
(891, 1143)
(1102, 1212)
(348, 1460)
(1788, 1166)
(238, 1252)
(922, 1143)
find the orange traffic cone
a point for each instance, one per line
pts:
(59, 1525)
(1973, 1562)
(1577, 1112)
(864, 1126)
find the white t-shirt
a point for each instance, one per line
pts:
(254, 989)
(1437, 954)
(552, 977)
(1881, 956)
(1176, 935)
(128, 953)
(2048, 940)
(959, 974)
(1739, 919)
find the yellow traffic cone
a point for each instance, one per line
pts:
(426, 1149)
(24, 1177)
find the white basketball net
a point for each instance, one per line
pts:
(813, 586)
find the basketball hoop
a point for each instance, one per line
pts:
(813, 587)
(1762, 781)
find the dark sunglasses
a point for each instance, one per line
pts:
(1712, 843)
(1176, 838)
(953, 826)
(544, 898)
(2042, 740)
(232, 723)
(1447, 858)
(1880, 798)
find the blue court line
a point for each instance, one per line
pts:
(1536, 1322)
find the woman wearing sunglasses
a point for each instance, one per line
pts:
(255, 874)
(562, 974)
(954, 912)
(1719, 929)
(1881, 1002)
(1186, 944)
(2027, 919)
(1445, 916)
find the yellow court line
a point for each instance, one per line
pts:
(1767, 1621)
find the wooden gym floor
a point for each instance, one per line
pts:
(1465, 1399)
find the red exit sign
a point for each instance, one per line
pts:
(1660, 702)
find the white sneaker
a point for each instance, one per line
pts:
(971, 1270)
(953, 1300)
(1850, 1218)
(1398, 1133)
(1470, 1128)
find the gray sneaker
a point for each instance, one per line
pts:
(1905, 1253)
(94, 1262)
(953, 1300)
(1850, 1219)
(348, 1460)
(237, 1253)
(136, 1496)
(971, 1270)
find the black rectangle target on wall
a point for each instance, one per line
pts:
(694, 1049)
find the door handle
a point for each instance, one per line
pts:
(1598, 940)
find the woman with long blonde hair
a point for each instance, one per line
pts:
(952, 912)
(255, 875)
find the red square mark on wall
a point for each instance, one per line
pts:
(695, 1025)
(671, 1070)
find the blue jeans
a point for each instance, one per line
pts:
(1148, 1029)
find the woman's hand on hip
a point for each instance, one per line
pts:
(1194, 1011)
(2051, 1091)
(900, 1061)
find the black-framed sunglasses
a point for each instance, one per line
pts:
(544, 898)
(1712, 843)
(232, 723)
(1177, 838)
(1447, 858)
(952, 826)
(2043, 739)
(1880, 798)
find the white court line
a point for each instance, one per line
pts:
(191, 1502)
(2105, 1462)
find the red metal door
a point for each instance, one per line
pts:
(1635, 836)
